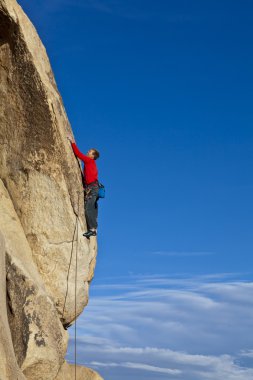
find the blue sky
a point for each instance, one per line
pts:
(164, 90)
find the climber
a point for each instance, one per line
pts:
(91, 186)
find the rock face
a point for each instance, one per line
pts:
(9, 368)
(67, 372)
(41, 208)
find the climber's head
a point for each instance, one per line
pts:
(93, 153)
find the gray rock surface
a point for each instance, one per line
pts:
(9, 368)
(40, 198)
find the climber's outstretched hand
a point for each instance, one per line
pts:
(70, 138)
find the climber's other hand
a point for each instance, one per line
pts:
(70, 138)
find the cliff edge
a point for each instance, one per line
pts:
(40, 198)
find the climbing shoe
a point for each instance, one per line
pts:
(89, 233)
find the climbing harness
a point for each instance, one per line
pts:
(101, 189)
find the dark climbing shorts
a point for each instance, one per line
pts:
(91, 206)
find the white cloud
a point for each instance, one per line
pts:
(141, 366)
(200, 327)
(248, 354)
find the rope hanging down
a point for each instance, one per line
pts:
(67, 290)
(76, 278)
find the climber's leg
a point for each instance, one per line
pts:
(91, 210)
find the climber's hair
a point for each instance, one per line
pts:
(95, 153)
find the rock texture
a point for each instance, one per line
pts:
(67, 372)
(9, 368)
(41, 208)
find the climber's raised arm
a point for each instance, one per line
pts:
(77, 152)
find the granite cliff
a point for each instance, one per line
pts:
(40, 197)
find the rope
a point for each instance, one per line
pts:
(71, 255)
(67, 290)
(76, 277)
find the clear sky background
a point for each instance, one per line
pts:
(164, 89)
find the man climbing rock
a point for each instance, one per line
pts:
(91, 187)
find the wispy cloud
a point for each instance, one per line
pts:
(141, 366)
(201, 329)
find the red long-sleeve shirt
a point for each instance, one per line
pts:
(90, 170)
